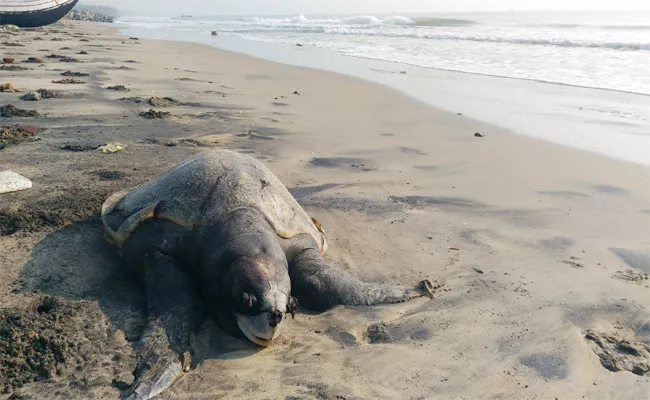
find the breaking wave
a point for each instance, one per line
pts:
(366, 20)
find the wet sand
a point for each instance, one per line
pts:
(543, 250)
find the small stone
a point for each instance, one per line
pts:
(477, 134)
(298, 44)
(34, 60)
(31, 96)
(215, 33)
(13, 182)
(8, 60)
(296, 92)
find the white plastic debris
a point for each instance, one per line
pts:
(13, 182)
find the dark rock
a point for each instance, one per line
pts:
(477, 134)
(82, 52)
(31, 96)
(33, 60)
(298, 44)
(215, 33)
(296, 92)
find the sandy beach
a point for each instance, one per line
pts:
(543, 250)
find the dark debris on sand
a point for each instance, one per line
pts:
(69, 60)
(52, 211)
(77, 74)
(50, 94)
(153, 114)
(109, 175)
(78, 147)
(70, 81)
(378, 333)
(134, 100)
(56, 338)
(119, 88)
(12, 67)
(164, 102)
(10, 111)
(11, 135)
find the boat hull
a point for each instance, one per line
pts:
(36, 18)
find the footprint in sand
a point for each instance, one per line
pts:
(620, 354)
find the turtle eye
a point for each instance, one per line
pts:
(291, 307)
(249, 300)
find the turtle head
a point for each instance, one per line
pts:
(260, 295)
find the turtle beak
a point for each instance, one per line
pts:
(261, 329)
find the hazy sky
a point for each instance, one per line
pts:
(281, 7)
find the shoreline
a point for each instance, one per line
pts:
(568, 115)
(537, 244)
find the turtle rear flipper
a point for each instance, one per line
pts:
(174, 309)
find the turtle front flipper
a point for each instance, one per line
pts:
(158, 366)
(320, 286)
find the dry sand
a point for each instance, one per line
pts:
(535, 243)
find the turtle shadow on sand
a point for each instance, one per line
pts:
(75, 263)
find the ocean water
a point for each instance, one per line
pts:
(594, 50)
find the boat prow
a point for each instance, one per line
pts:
(33, 13)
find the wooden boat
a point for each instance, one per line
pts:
(33, 13)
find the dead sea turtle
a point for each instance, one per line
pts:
(221, 233)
